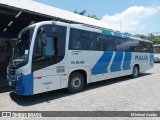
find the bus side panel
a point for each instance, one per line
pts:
(101, 68)
(121, 64)
(144, 60)
(81, 59)
(46, 80)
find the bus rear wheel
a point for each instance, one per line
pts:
(135, 72)
(76, 82)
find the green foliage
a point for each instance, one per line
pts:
(83, 12)
(151, 37)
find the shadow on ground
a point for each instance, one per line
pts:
(46, 97)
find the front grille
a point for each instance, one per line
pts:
(11, 73)
(12, 67)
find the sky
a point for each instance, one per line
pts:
(133, 16)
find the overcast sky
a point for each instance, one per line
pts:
(134, 16)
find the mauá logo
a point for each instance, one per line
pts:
(141, 57)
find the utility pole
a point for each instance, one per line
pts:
(157, 34)
(120, 26)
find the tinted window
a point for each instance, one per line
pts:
(105, 42)
(143, 46)
(140, 46)
(133, 45)
(151, 47)
(122, 44)
(93, 42)
(75, 43)
(82, 40)
(85, 40)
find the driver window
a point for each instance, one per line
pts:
(55, 41)
(49, 48)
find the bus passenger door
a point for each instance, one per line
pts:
(49, 50)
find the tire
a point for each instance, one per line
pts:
(76, 82)
(135, 72)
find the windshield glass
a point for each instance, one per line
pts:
(21, 49)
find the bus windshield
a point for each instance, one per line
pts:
(21, 49)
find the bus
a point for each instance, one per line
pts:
(52, 55)
(156, 51)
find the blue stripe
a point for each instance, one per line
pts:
(118, 34)
(127, 61)
(24, 86)
(127, 35)
(102, 64)
(151, 59)
(106, 32)
(116, 65)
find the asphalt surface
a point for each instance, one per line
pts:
(120, 94)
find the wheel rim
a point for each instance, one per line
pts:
(135, 71)
(76, 82)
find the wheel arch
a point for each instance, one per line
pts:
(83, 72)
(137, 66)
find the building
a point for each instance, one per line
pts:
(156, 48)
(17, 14)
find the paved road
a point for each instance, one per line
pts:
(120, 94)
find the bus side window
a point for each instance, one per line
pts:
(82, 40)
(105, 42)
(74, 40)
(78, 45)
(100, 42)
(133, 45)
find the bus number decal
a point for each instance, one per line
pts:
(77, 62)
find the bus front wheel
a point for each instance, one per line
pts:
(76, 82)
(135, 72)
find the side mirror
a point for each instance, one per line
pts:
(44, 39)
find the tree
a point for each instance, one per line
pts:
(83, 12)
(151, 37)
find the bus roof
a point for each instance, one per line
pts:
(94, 29)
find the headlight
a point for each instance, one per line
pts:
(19, 76)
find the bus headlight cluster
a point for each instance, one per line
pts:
(19, 76)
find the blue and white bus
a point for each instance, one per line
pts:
(53, 55)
